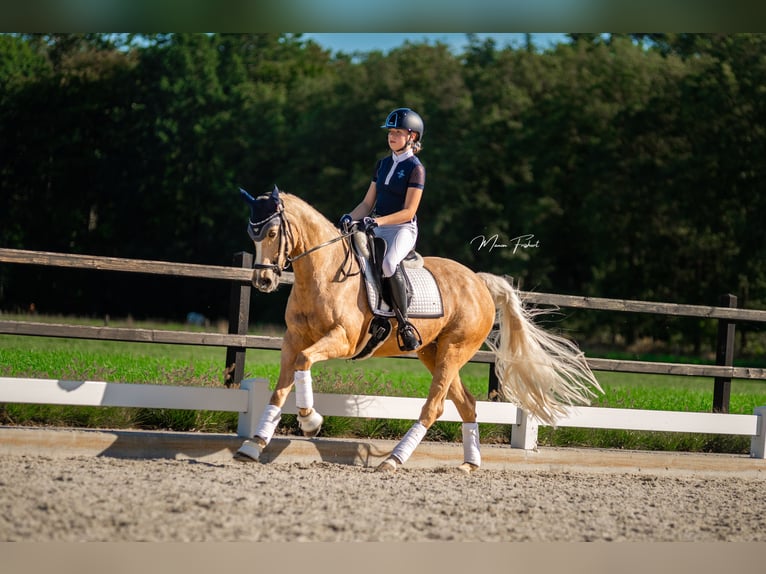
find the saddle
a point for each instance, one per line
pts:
(423, 295)
(371, 250)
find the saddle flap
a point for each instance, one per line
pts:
(360, 244)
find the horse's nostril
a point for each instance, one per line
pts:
(264, 282)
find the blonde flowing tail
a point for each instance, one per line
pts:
(541, 372)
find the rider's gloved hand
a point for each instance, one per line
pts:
(368, 224)
(344, 224)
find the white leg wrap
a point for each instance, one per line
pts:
(267, 425)
(409, 442)
(311, 423)
(304, 396)
(471, 451)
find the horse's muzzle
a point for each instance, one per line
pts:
(265, 280)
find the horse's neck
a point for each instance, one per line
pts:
(310, 229)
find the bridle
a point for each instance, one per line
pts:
(257, 232)
(287, 240)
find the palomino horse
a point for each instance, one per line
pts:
(328, 317)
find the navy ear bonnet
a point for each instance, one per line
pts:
(265, 213)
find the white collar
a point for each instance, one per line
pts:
(401, 157)
(397, 160)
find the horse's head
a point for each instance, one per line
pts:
(267, 230)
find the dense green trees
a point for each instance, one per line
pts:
(630, 166)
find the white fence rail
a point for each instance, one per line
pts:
(250, 399)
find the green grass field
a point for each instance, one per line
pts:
(203, 366)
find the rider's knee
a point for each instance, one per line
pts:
(388, 268)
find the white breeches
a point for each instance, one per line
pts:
(400, 240)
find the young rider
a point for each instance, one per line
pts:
(389, 208)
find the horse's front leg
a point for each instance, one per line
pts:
(333, 345)
(295, 370)
(252, 448)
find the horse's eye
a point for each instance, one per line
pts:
(272, 234)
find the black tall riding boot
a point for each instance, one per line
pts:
(407, 335)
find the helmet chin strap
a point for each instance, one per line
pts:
(406, 145)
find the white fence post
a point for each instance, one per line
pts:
(758, 441)
(524, 434)
(257, 396)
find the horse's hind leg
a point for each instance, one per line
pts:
(466, 405)
(446, 384)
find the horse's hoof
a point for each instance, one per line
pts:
(250, 451)
(468, 467)
(388, 465)
(311, 424)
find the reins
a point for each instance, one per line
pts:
(317, 247)
(285, 229)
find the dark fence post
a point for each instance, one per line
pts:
(724, 355)
(239, 320)
(493, 389)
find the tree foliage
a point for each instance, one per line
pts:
(632, 164)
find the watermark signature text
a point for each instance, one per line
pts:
(493, 242)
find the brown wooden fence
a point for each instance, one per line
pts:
(237, 340)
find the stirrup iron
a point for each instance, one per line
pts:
(408, 337)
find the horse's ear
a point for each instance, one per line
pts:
(246, 196)
(275, 192)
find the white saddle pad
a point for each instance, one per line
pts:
(426, 297)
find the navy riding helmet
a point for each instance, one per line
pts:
(407, 119)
